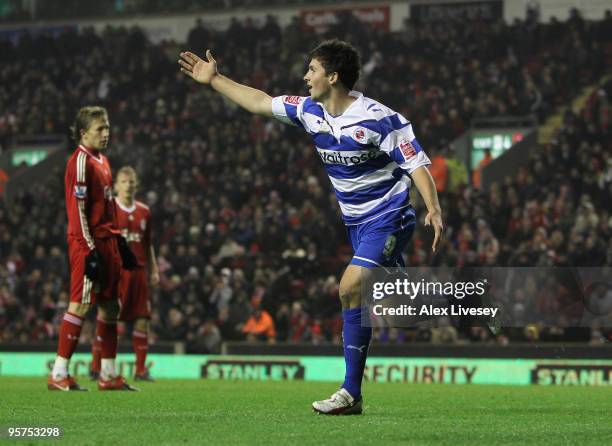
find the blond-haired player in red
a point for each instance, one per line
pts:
(96, 251)
(134, 222)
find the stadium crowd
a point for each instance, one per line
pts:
(249, 238)
(17, 10)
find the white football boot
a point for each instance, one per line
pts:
(340, 403)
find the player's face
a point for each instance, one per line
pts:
(125, 185)
(97, 134)
(318, 82)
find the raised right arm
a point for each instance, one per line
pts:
(205, 72)
(251, 99)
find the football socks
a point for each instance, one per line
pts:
(356, 340)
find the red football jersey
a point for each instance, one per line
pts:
(135, 225)
(88, 183)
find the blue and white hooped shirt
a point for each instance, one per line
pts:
(367, 152)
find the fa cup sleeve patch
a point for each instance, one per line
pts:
(292, 100)
(407, 149)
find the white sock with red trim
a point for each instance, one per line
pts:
(60, 368)
(107, 369)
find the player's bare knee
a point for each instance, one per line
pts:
(79, 309)
(344, 298)
(108, 311)
(141, 324)
(350, 294)
(350, 286)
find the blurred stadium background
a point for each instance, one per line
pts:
(510, 99)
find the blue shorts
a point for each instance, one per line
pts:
(380, 242)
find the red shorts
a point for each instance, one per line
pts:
(81, 288)
(134, 295)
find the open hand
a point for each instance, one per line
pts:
(155, 278)
(198, 69)
(435, 219)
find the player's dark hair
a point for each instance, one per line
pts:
(84, 118)
(340, 57)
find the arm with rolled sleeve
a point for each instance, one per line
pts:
(288, 109)
(397, 139)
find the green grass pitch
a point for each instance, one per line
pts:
(271, 413)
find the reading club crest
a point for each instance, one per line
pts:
(359, 135)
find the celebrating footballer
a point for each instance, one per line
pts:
(372, 158)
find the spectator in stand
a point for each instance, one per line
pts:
(439, 171)
(260, 326)
(3, 179)
(486, 159)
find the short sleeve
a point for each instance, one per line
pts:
(399, 142)
(288, 109)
